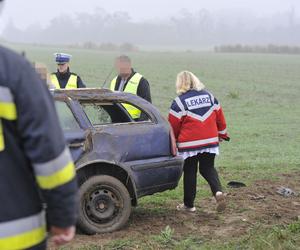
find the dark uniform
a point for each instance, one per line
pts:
(35, 165)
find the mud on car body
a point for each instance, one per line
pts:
(118, 159)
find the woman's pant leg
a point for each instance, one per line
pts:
(208, 171)
(190, 180)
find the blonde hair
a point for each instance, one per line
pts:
(186, 81)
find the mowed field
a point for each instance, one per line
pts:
(260, 95)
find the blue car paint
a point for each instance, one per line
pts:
(141, 149)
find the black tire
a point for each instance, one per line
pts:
(104, 205)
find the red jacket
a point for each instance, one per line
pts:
(197, 120)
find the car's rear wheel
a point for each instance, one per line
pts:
(105, 205)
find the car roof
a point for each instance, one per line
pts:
(80, 94)
(92, 94)
(103, 95)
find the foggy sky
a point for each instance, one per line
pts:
(23, 13)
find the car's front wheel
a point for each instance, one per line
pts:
(105, 205)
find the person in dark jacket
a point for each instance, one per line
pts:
(130, 81)
(199, 124)
(64, 78)
(37, 174)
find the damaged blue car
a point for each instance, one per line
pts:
(118, 159)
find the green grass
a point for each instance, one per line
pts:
(260, 98)
(275, 238)
(278, 237)
(259, 95)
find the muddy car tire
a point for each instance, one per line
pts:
(104, 205)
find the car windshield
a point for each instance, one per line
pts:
(66, 117)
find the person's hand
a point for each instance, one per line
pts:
(61, 236)
(221, 139)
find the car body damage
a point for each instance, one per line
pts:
(107, 141)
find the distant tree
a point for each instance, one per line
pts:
(128, 47)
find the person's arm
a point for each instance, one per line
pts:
(45, 148)
(221, 122)
(80, 83)
(175, 118)
(144, 90)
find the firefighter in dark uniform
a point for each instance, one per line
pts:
(132, 82)
(37, 174)
(63, 78)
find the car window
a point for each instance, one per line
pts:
(66, 117)
(107, 113)
(96, 113)
(136, 113)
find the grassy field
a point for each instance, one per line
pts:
(260, 98)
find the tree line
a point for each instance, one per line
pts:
(271, 48)
(187, 29)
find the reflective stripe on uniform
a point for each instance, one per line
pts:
(178, 115)
(131, 87)
(113, 84)
(223, 132)
(133, 84)
(1, 137)
(6, 95)
(56, 172)
(23, 233)
(8, 111)
(71, 84)
(54, 81)
(198, 142)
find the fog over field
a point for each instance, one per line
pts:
(189, 23)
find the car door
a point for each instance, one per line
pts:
(75, 136)
(123, 139)
(142, 147)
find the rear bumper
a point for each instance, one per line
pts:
(156, 175)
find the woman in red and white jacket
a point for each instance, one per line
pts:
(199, 125)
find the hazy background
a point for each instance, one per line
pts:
(156, 23)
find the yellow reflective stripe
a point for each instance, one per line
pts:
(133, 84)
(58, 178)
(54, 81)
(132, 87)
(54, 165)
(8, 111)
(133, 111)
(72, 82)
(24, 240)
(113, 84)
(23, 232)
(2, 146)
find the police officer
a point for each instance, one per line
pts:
(130, 81)
(37, 175)
(63, 78)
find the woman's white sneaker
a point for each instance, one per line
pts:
(182, 207)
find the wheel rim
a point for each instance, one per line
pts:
(102, 205)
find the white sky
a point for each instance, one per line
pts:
(26, 12)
